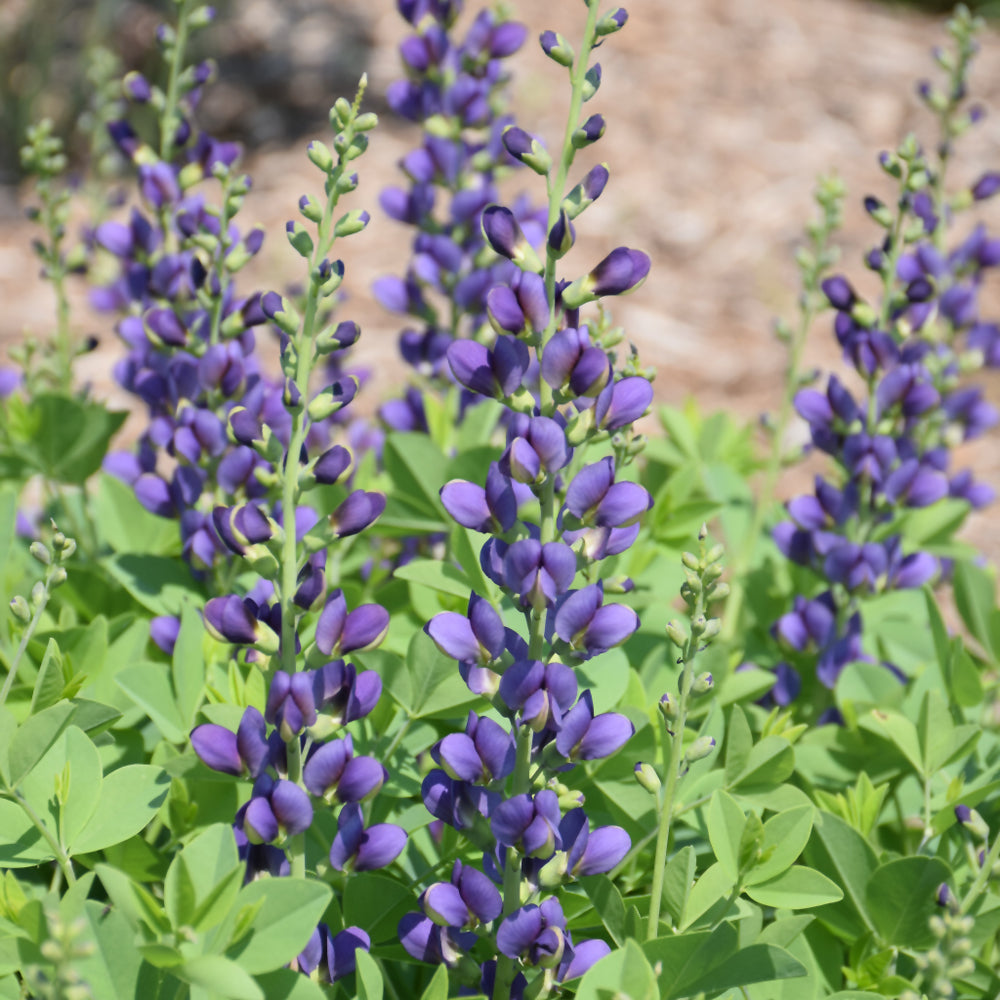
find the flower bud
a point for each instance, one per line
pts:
(310, 208)
(612, 22)
(37, 594)
(19, 608)
(667, 706)
(57, 577)
(676, 635)
(646, 775)
(299, 238)
(703, 683)
(41, 553)
(700, 749)
(320, 155)
(556, 48)
(972, 822)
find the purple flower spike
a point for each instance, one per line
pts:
(539, 573)
(427, 942)
(590, 626)
(357, 849)
(531, 825)
(331, 465)
(216, 746)
(326, 764)
(359, 511)
(241, 526)
(476, 639)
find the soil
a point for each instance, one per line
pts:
(721, 114)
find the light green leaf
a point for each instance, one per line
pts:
(771, 762)
(148, 685)
(160, 584)
(113, 971)
(901, 897)
(369, 977)
(291, 909)
(196, 872)
(285, 984)
(127, 526)
(837, 848)
(785, 837)
(435, 575)
(713, 886)
(608, 905)
(50, 681)
(130, 798)
(625, 972)
(221, 976)
(797, 888)
(187, 670)
(437, 988)
(33, 739)
(21, 845)
(678, 877)
(726, 821)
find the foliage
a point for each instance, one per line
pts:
(300, 705)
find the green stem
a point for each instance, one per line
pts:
(62, 859)
(506, 969)
(169, 116)
(23, 645)
(556, 185)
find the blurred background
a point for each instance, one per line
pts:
(721, 114)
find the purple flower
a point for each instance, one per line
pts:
(341, 631)
(355, 848)
(590, 626)
(584, 736)
(529, 824)
(536, 934)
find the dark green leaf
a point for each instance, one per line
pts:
(608, 905)
(160, 584)
(901, 897)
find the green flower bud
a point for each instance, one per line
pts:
(700, 749)
(189, 175)
(703, 683)
(320, 155)
(299, 238)
(646, 775)
(41, 553)
(676, 635)
(340, 113)
(20, 610)
(667, 706)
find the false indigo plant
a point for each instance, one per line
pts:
(891, 440)
(455, 89)
(553, 507)
(313, 692)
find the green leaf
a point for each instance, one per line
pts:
(837, 848)
(975, 597)
(127, 526)
(69, 437)
(416, 467)
(187, 670)
(291, 909)
(901, 732)
(21, 845)
(159, 584)
(369, 977)
(797, 888)
(113, 971)
(50, 682)
(757, 963)
(901, 897)
(377, 903)
(437, 988)
(130, 798)
(73, 757)
(133, 900)
(148, 685)
(608, 905)
(435, 575)
(678, 877)
(434, 683)
(712, 887)
(726, 821)
(682, 958)
(221, 976)
(770, 762)
(626, 972)
(785, 838)
(285, 984)
(197, 871)
(33, 739)
(739, 743)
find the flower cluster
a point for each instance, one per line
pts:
(455, 89)
(891, 440)
(190, 334)
(553, 506)
(297, 752)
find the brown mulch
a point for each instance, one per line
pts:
(721, 115)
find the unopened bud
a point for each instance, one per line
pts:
(37, 593)
(703, 683)
(676, 635)
(20, 610)
(700, 749)
(646, 775)
(41, 553)
(57, 577)
(690, 560)
(668, 706)
(972, 822)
